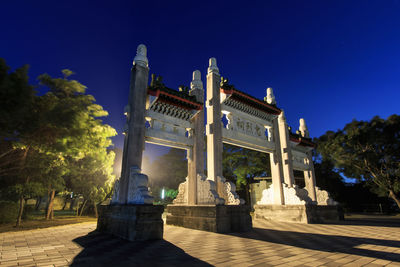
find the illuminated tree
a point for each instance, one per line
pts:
(46, 139)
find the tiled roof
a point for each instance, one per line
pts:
(302, 141)
(250, 100)
(174, 97)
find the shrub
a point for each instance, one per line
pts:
(8, 211)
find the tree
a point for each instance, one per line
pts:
(83, 148)
(327, 176)
(368, 151)
(43, 138)
(241, 165)
(18, 160)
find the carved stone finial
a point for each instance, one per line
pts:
(196, 82)
(141, 56)
(213, 66)
(270, 98)
(303, 128)
(282, 117)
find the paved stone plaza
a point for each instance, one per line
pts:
(350, 244)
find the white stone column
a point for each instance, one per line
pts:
(309, 175)
(286, 152)
(131, 178)
(309, 178)
(196, 159)
(276, 172)
(213, 127)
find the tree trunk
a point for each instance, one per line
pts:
(72, 204)
(50, 206)
(394, 197)
(247, 188)
(38, 202)
(65, 203)
(83, 207)
(77, 207)
(21, 210)
(95, 209)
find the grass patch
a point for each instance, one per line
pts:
(35, 220)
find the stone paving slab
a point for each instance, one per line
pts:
(268, 244)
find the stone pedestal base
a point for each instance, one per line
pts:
(131, 222)
(298, 213)
(212, 218)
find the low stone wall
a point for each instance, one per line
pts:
(297, 213)
(212, 218)
(131, 222)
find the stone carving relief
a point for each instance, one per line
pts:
(236, 123)
(267, 197)
(182, 197)
(323, 197)
(295, 195)
(227, 191)
(292, 196)
(138, 192)
(206, 192)
(165, 126)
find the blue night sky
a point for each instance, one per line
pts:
(328, 61)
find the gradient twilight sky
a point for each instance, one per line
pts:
(328, 61)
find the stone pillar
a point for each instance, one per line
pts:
(309, 178)
(286, 151)
(196, 159)
(309, 175)
(214, 128)
(276, 171)
(131, 179)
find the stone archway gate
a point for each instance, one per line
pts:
(160, 115)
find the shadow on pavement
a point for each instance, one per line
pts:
(382, 221)
(106, 250)
(327, 243)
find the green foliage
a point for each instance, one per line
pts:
(54, 141)
(8, 211)
(84, 149)
(328, 179)
(16, 98)
(171, 193)
(368, 151)
(241, 165)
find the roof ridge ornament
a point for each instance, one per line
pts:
(270, 98)
(213, 68)
(303, 128)
(141, 56)
(196, 83)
